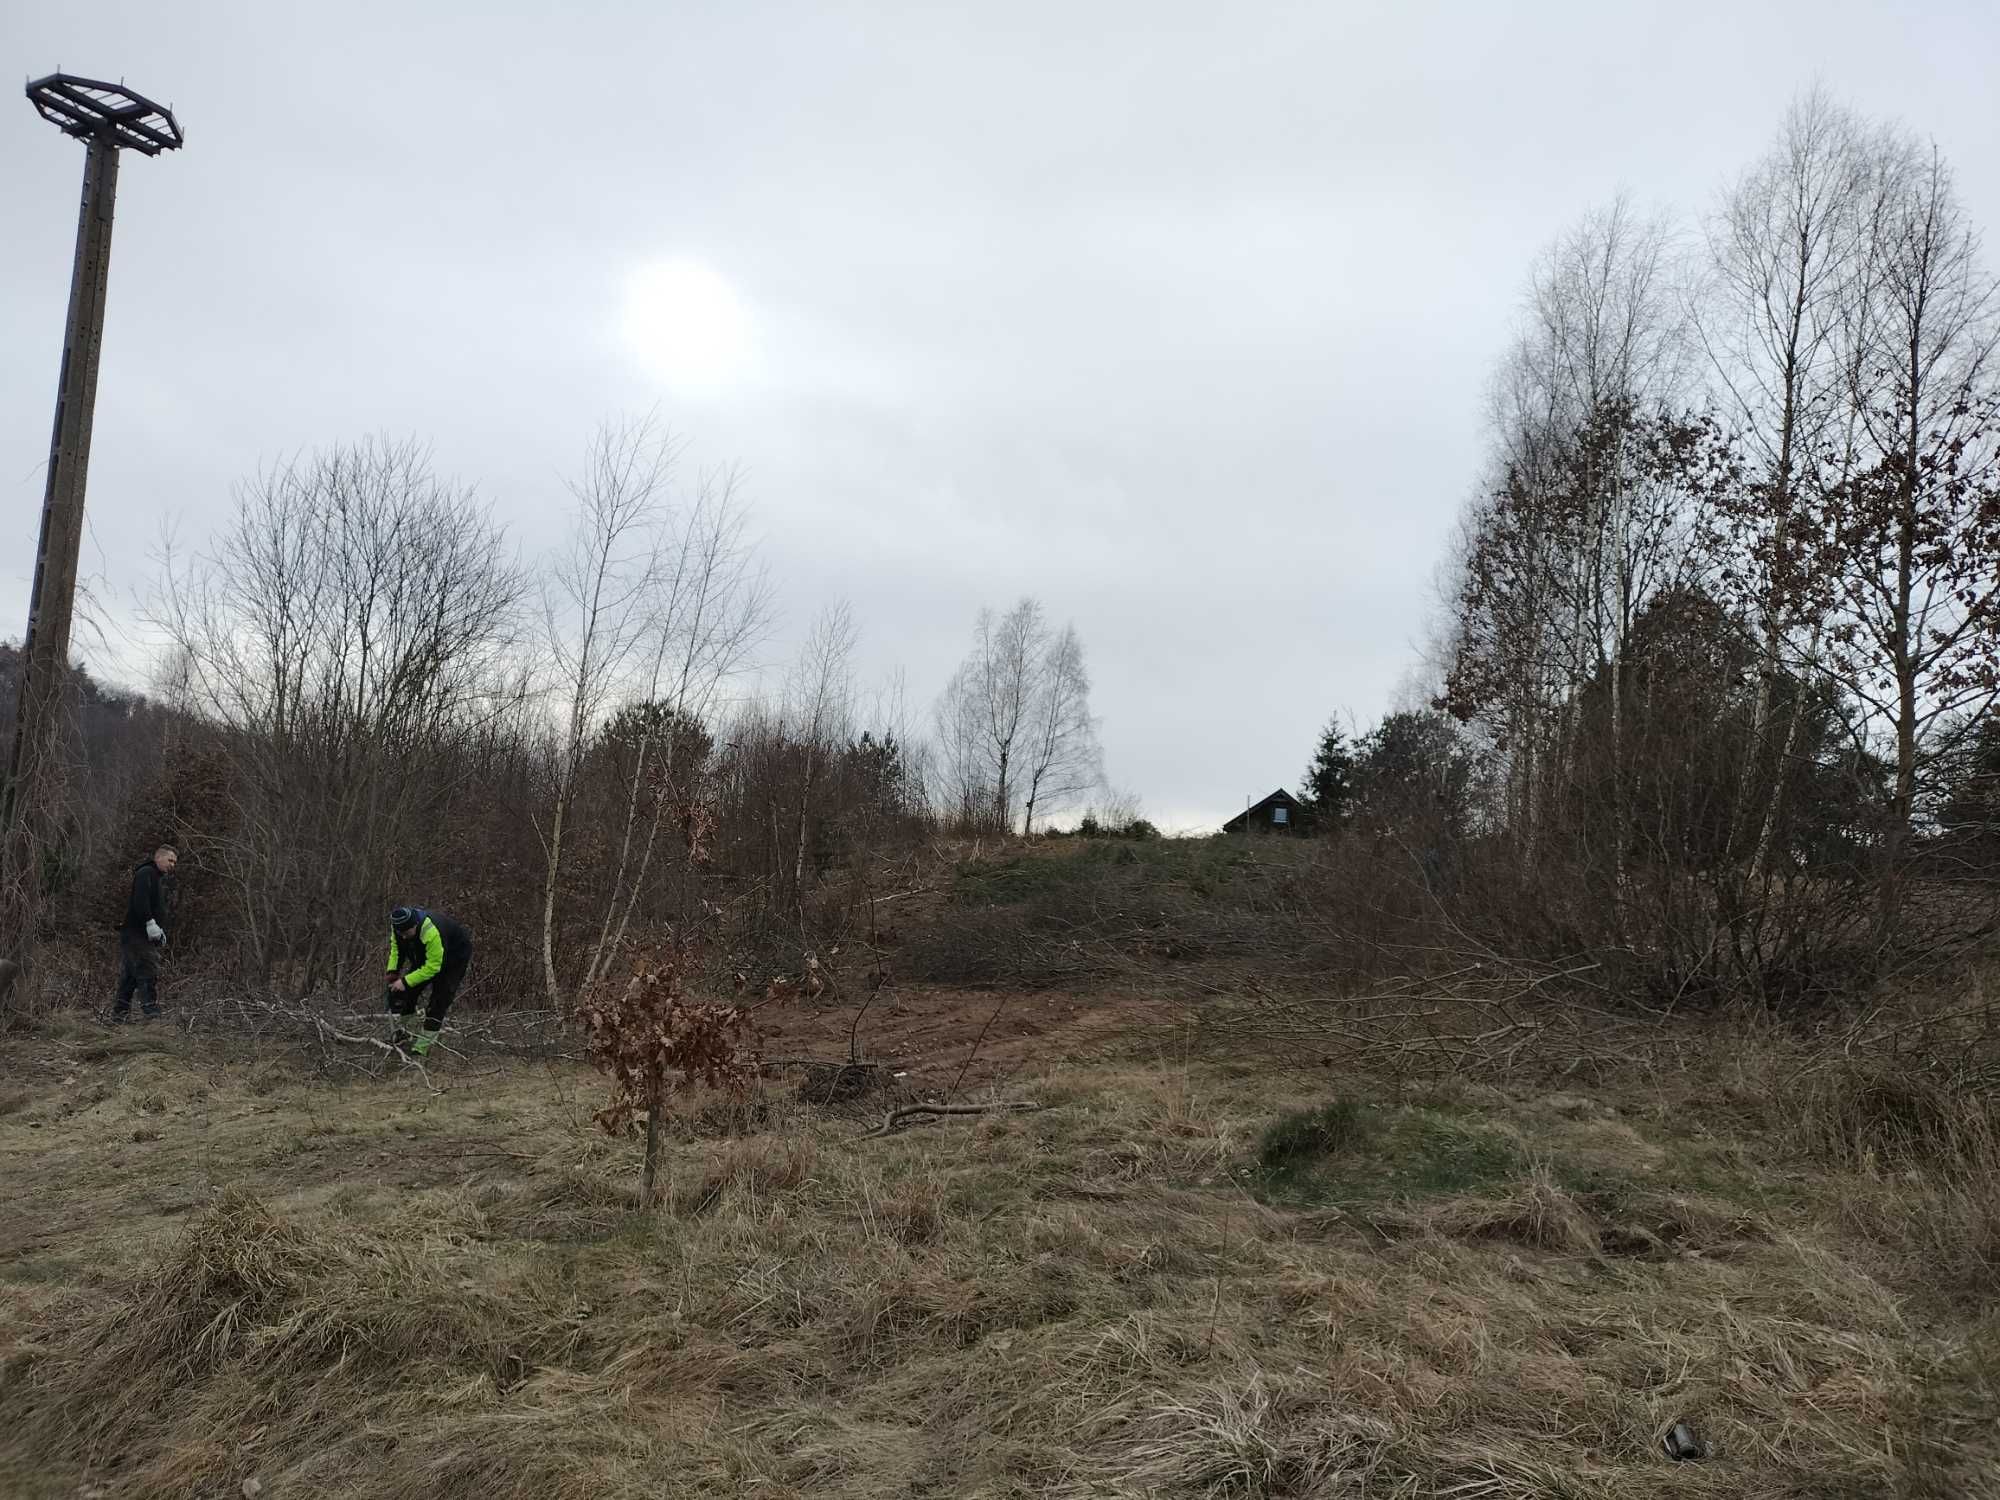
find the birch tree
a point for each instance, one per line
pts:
(709, 608)
(1014, 722)
(1914, 533)
(1776, 313)
(818, 710)
(595, 612)
(655, 602)
(1063, 757)
(1577, 532)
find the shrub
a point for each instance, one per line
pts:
(1901, 1116)
(1304, 1136)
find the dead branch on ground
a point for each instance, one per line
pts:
(897, 1118)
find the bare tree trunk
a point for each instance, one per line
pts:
(1903, 660)
(799, 853)
(638, 881)
(549, 885)
(649, 1173)
(1785, 250)
(820, 696)
(1621, 769)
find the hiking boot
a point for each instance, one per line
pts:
(120, 1016)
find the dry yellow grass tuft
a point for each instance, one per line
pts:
(1538, 1213)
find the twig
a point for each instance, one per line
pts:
(326, 1031)
(896, 1118)
(921, 890)
(998, 1005)
(396, 1053)
(854, 1031)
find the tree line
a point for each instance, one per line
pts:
(365, 693)
(1719, 643)
(1711, 700)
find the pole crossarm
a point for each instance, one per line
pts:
(91, 110)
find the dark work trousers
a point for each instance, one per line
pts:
(437, 994)
(138, 972)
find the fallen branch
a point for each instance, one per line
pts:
(392, 1053)
(897, 1118)
(472, 1151)
(922, 890)
(772, 1064)
(324, 1031)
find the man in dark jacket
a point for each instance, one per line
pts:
(432, 953)
(142, 934)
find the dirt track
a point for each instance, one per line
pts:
(931, 1033)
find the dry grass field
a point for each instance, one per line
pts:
(1193, 1270)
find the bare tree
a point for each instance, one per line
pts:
(916, 758)
(1786, 262)
(1064, 759)
(353, 623)
(965, 788)
(650, 611)
(595, 606)
(1602, 324)
(1009, 655)
(1914, 532)
(710, 607)
(818, 708)
(984, 714)
(1656, 584)
(1559, 559)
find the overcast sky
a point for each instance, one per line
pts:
(1178, 317)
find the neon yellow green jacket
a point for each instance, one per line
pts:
(433, 955)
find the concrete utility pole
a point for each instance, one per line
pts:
(108, 118)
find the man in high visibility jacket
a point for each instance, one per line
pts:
(428, 956)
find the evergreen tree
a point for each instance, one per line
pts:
(1328, 789)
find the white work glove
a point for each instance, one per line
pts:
(153, 933)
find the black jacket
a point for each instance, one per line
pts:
(457, 939)
(149, 899)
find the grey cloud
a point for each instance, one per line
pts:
(1176, 316)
